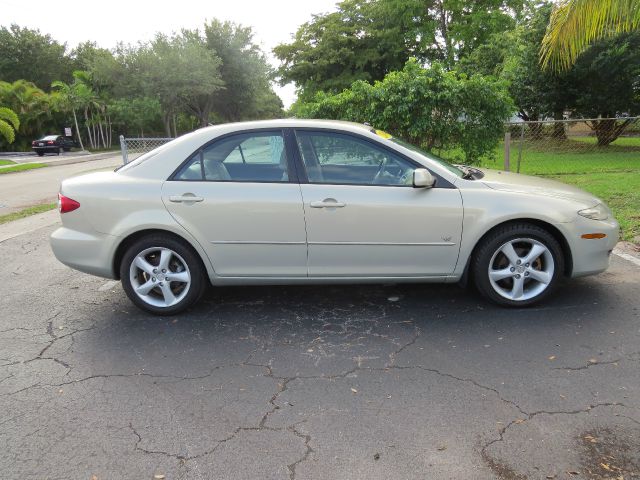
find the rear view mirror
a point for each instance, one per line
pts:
(422, 178)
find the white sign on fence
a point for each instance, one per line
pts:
(67, 131)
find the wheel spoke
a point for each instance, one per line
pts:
(145, 288)
(169, 297)
(510, 253)
(500, 274)
(143, 265)
(536, 251)
(183, 277)
(165, 258)
(540, 276)
(518, 288)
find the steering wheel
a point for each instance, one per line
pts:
(381, 167)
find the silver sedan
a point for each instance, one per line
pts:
(299, 202)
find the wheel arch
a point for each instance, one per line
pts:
(135, 236)
(552, 229)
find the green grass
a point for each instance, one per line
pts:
(6, 162)
(22, 167)
(27, 212)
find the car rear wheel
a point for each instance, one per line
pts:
(518, 265)
(60, 150)
(40, 154)
(162, 275)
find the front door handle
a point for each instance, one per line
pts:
(186, 198)
(327, 203)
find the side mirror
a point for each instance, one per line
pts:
(422, 178)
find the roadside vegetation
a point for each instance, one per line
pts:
(134, 90)
(21, 167)
(27, 212)
(5, 162)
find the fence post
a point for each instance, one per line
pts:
(520, 147)
(123, 148)
(507, 151)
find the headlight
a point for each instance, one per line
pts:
(599, 212)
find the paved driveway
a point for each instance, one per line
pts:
(322, 382)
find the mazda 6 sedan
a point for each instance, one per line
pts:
(309, 201)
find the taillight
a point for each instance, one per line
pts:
(33, 143)
(66, 204)
(50, 142)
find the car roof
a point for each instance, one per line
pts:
(290, 123)
(49, 137)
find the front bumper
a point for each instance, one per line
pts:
(591, 256)
(88, 252)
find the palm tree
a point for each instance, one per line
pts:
(70, 99)
(575, 24)
(9, 123)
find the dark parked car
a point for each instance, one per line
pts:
(52, 144)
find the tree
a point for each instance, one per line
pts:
(432, 108)
(576, 24)
(9, 124)
(69, 98)
(538, 94)
(365, 39)
(28, 54)
(162, 67)
(605, 84)
(31, 104)
(243, 69)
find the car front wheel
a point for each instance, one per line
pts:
(162, 275)
(518, 265)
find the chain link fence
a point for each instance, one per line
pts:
(560, 147)
(132, 148)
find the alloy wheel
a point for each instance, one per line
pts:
(160, 277)
(521, 269)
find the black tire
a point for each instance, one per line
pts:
(40, 154)
(491, 244)
(199, 280)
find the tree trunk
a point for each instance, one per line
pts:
(86, 121)
(167, 123)
(175, 130)
(607, 131)
(75, 120)
(559, 132)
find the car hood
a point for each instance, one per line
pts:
(514, 182)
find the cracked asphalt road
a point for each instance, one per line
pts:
(322, 382)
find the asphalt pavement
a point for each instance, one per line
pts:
(314, 382)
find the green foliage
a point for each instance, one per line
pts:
(9, 123)
(365, 40)
(605, 79)
(576, 24)
(244, 69)
(433, 108)
(537, 93)
(28, 54)
(31, 104)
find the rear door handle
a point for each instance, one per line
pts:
(186, 198)
(327, 203)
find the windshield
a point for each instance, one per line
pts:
(434, 158)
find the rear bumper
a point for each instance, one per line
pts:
(591, 256)
(87, 252)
